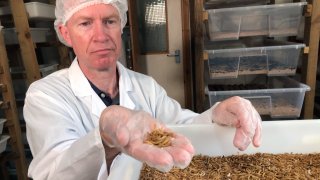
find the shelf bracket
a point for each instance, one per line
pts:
(205, 56)
(308, 11)
(3, 87)
(306, 50)
(205, 16)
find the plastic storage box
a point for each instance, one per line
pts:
(45, 69)
(48, 69)
(35, 10)
(2, 121)
(271, 20)
(39, 35)
(295, 136)
(214, 4)
(274, 60)
(3, 143)
(282, 97)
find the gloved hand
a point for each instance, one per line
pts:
(240, 113)
(127, 129)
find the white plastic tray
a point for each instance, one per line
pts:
(271, 60)
(45, 69)
(3, 143)
(296, 136)
(272, 20)
(210, 4)
(281, 98)
(39, 35)
(35, 10)
(2, 121)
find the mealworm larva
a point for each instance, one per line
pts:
(159, 137)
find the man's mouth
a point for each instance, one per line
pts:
(102, 51)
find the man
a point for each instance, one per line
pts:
(80, 119)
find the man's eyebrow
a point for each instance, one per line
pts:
(84, 17)
(112, 16)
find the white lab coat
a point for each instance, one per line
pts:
(62, 117)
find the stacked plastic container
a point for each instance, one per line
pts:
(231, 57)
(36, 11)
(3, 138)
(40, 16)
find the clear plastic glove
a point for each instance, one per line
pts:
(240, 113)
(126, 129)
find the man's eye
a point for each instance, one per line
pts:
(109, 21)
(87, 23)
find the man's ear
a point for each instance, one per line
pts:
(65, 34)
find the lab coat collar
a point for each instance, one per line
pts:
(125, 87)
(78, 81)
(82, 89)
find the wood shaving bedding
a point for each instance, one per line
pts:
(287, 166)
(256, 166)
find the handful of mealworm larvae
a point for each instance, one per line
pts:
(159, 137)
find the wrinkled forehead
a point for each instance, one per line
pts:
(96, 11)
(70, 7)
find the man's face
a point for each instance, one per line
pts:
(95, 36)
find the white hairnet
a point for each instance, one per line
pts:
(66, 8)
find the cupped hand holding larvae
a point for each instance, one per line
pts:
(128, 130)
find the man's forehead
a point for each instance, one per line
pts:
(99, 10)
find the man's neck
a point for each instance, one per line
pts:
(106, 81)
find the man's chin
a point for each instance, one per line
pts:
(106, 65)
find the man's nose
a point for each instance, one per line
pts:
(101, 33)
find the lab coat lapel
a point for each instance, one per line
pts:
(97, 106)
(125, 88)
(82, 89)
